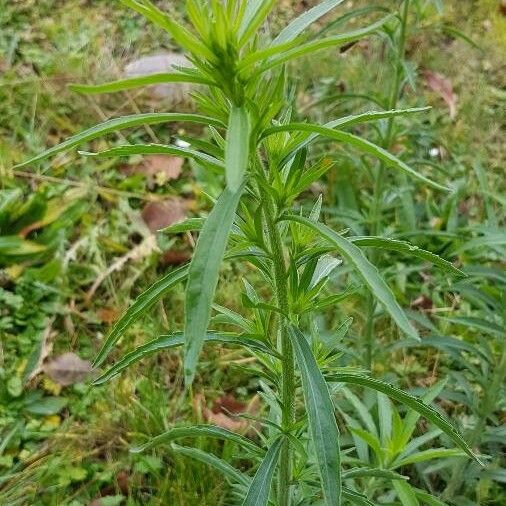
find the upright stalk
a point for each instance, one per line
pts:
(376, 213)
(285, 349)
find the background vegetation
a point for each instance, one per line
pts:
(74, 221)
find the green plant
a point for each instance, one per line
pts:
(266, 162)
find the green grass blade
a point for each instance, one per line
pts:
(161, 149)
(367, 271)
(197, 431)
(363, 145)
(260, 487)
(405, 493)
(203, 276)
(189, 225)
(115, 124)
(139, 82)
(298, 25)
(212, 460)
(142, 304)
(406, 247)
(14, 245)
(322, 421)
(409, 401)
(173, 341)
(373, 473)
(237, 147)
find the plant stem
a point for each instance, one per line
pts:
(286, 351)
(376, 213)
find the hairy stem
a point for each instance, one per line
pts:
(376, 212)
(286, 351)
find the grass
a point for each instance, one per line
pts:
(81, 452)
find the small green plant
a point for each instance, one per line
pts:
(266, 161)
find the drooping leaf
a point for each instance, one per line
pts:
(367, 147)
(203, 276)
(212, 460)
(237, 147)
(322, 420)
(139, 82)
(173, 341)
(260, 487)
(150, 149)
(298, 25)
(197, 431)
(367, 271)
(406, 247)
(410, 401)
(139, 307)
(116, 124)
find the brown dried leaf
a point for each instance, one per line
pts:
(158, 215)
(441, 85)
(157, 168)
(226, 409)
(423, 303)
(108, 315)
(67, 369)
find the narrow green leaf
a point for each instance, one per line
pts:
(405, 494)
(368, 272)
(406, 247)
(115, 124)
(14, 245)
(298, 25)
(139, 82)
(363, 145)
(197, 431)
(173, 341)
(317, 45)
(322, 420)
(259, 490)
(356, 498)
(162, 149)
(409, 401)
(203, 276)
(237, 147)
(254, 15)
(212, 460)
(142, 304)
(189, 225)
(431, 454)
(373, 473)
(428, 499)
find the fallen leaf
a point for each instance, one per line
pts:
(441, 85)
(158, 215)
(156, 168)
(226, 410)
(423, 303)
(108, 315)
(67, 369)
(174, 257)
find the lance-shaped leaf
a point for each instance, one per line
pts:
(310, 47)
(197, 431)
(305, 138)
(160, 149)
(408, 400)
(260, 487)
(363, 145)
(410, 249)
(212, 460)
(139, 82)
(142, 304)
(237, 147)
(322, 420)
(254, 15)
(298, 25)
(203, 276)
(116, 124)
(173, 341)
(367, 271)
